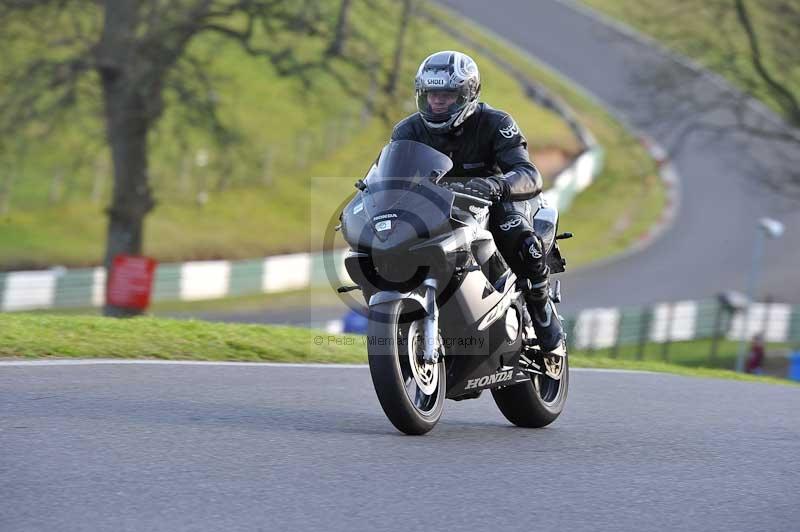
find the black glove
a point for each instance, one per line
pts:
(488, 188)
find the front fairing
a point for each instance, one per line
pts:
(401, 204)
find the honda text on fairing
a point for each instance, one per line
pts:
(446, 318)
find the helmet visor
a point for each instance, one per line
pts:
(439, 105)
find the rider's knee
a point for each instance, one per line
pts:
(531, 252)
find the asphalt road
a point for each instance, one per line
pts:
(709, 247)
(178, 447)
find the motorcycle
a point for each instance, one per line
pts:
(446, 316)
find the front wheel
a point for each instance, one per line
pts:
(411, 392)
(538, 402)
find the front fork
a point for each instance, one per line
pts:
(431, 325)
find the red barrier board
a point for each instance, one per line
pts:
(131, 281)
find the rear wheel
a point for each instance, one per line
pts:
(410, 391)
(538, 402)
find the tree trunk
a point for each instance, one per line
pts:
(397, 63)
(779, 91)
(337, 45)
(127, 125)
(132, 99)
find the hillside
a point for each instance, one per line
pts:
(298, 143)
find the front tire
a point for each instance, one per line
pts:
(535, 403)
(410, 392)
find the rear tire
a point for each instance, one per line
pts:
(402, 388)
(535, 403)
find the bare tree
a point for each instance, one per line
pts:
(337, 44)
(399, 47)
(129, 54)
(780, 90)
(752, 43)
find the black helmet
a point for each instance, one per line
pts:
(454, 74)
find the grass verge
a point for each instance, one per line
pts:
(689, 355)
(40, 335)
(43, 336)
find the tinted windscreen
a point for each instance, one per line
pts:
(409, 159)
(401, 203)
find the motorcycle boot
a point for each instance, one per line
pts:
(544, 317)
(536, 291)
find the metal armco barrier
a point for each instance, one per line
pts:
(664, 323)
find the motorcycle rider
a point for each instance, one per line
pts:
(490, 160)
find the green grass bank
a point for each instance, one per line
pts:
(31, 336)
(300, 145)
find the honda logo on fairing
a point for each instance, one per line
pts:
(500, 376)
(383, 216)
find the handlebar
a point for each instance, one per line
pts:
(472, 198)
(469, 197)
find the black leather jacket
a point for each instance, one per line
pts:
(488, 143)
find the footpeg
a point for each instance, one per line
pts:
(343, 289)
(530, 343)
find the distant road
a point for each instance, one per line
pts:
(708, 249)
(259, 447)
